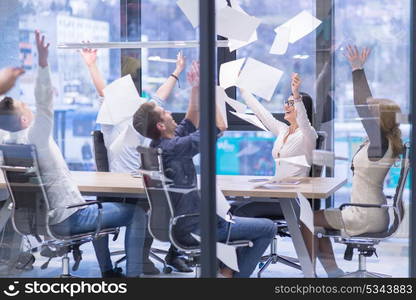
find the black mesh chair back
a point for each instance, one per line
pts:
(20, 170)
(316, 171)
(154, 182)
(100, 152)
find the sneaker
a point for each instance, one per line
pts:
(113, 273)
(178, 264)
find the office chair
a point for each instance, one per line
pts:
(102, 164)
(163, 219)
(31, 210)
(365, 243)
(282, 229)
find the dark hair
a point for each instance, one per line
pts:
(145, 120)
(308, 103)
(9, 116)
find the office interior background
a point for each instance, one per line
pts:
(383, 25)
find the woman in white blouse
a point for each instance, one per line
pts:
(296, 139)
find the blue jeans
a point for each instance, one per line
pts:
(259, 231)
(113, 215)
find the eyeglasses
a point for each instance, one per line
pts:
(290, 101)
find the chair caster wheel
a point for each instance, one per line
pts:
(261, 265)
(167, 270)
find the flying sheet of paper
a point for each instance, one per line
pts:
(234, 24)
(225, 253)
(281, 41)
(259, 78)
(236, 105)
(323, 158)
(236, 44)
(121, 101)
(220, 98)
(295, 160)
(252, 119)
(223, 206)
(300, 26)
(129, 137)
(190, 8)
(306, 213)
(229, 72)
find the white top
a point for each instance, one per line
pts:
(301, 142)
(121, 141)
(60, 187)
(367, 188)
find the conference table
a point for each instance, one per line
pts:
(234, 187)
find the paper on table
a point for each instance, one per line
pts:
(229, 72)
(306, 213)
(296, 160)
(220, 97)
(223, 206)
(251, 119)
(281, 41)
(225, 253)
(236, 44)
(234, 24)
(300, 25)
(259, 78)
(121, 101)
(190, 8)
(238, 106)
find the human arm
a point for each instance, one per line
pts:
(90, 58)
(275, 126)
(165, 89)
(42, 127)
(8, 77)
(362, 93)
(192, 113)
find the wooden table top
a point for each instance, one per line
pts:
(231, 185)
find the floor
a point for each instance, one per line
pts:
(392, 259)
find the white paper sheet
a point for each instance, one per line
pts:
(190, 8)
(225, 253)
(281, 41)
(129, 137)
(121, 101)
(306, 213)
(300, 26)
(234, 24)
(236, 105)
(221, 96)
(252, 119)
(229, 72)
(323, 158)
(236, 44)
(295, 160)
(223, 206)
(259, 78)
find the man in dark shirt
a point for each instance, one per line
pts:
(180, 143)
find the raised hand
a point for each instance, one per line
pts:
(89, 56)
(193, 74)
(8, 77)
(356, 59)
(180, 63)
(43, 49)
(295, 85)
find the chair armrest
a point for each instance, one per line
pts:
(100, 207)
(175, 219)
(363, 205)
(242, 243)
(98, 203)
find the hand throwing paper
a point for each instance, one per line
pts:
(259, 78)
(229, 72)
(190, 8)
(300, 26)
(306, 213)
(225, 253)
(234, 24)
(121, 101)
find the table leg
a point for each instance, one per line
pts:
(288, 209)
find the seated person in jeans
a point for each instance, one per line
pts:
(180, 143)
(25, 127)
